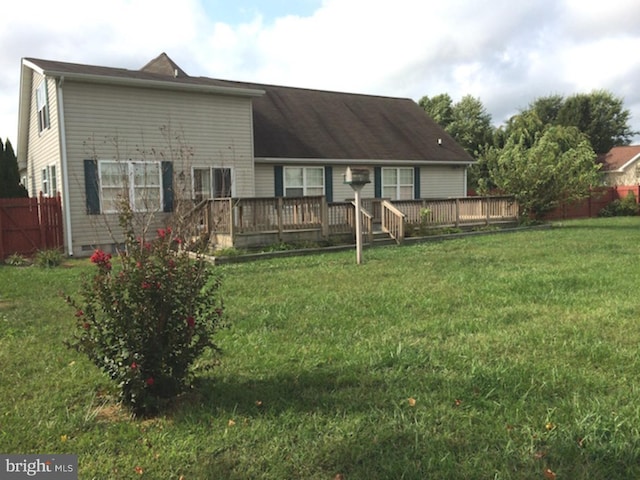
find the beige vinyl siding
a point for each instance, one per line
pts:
(342, 191)
(44, 147)
(440, 181)
(265, 181)
(188, 128)
(630, 176)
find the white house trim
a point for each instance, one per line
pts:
(626, 165)
(139, 82)
(64, 170)
(332, 161)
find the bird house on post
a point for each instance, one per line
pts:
(357, 178)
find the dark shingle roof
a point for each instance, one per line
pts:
(314, 124)
(618, 157)
(303, 123)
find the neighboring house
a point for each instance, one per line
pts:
(92, 132)
(621, 165)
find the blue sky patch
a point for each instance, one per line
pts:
(244, 11)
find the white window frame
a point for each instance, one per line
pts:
(397, 186)
(45, 182)
(49, 181)
(305, 184)
(42, 105)
(129, 187)
(199, 195)
(53, 179)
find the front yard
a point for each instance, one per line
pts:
(512, 356)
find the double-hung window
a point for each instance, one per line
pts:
(49, 181)
(139, 183)
(303, 181)
(42, 104)
(397, 183)
(211, 183)
(146, 190)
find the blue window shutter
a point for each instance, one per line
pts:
(328, 183)
(377, 182)
(167, 187)
(92, 187)
(279, 181)
(416, 182)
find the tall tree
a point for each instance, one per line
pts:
(547, 108)
(439, 108)
(558, 166)
(467, 121)
(10, 186)
(471, 125)
(601, 116)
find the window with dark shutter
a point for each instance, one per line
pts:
(278, 181)
(92, 187)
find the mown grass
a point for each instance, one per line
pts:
(504, 356)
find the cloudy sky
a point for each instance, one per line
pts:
(504, 52)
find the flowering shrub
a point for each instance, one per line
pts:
(145, 320)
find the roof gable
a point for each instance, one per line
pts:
(163, 65)
(619, 158)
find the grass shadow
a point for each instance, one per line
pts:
(320, 389)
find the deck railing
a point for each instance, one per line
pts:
(457, 212)
(366, 223)
(341, 217)
(245, 216)
(257, 215)
(392, 221)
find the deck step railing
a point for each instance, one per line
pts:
(393, 221)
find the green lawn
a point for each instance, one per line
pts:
(506, 356)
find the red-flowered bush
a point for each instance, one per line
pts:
(145, 320)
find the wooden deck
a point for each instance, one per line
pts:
(255, 222)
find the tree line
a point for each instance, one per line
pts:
(542, 155)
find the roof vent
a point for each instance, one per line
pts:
(440, 141)
(175, 73)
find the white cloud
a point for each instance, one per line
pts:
(506, 53)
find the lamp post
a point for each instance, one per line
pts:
(357, 178)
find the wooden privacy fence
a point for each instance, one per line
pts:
(29, 224)
(593, 204)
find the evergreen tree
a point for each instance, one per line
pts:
(10, 186)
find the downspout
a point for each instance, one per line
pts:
(466, 180)
(65, 170)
